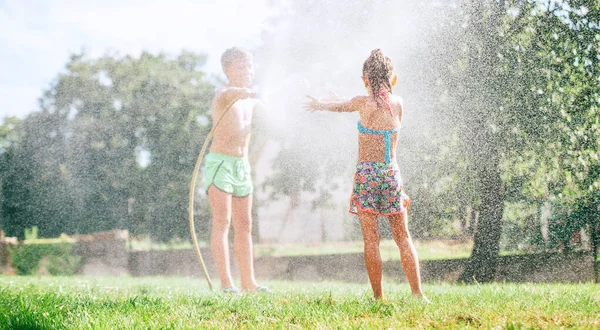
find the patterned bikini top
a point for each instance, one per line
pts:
(386, 138)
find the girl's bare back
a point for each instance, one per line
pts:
(371, 148)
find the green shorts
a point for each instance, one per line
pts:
(228, 174)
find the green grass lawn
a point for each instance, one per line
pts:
(178, 303)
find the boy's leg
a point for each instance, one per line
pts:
(242, 241)
(220, 205)
(408, 254)
(370, 230)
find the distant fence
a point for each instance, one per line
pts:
(107, 254)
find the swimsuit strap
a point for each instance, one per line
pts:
(365, 130)
(386, 138)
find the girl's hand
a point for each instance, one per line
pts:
(312, 105)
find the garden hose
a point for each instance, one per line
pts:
(192, 194)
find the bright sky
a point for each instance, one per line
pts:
(37, 37)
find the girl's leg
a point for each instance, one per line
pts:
(220, 205)
(408, 254)
(242, 241)
(368, 223)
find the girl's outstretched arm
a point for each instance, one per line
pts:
(339, 106)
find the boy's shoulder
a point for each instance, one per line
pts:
(220, 92)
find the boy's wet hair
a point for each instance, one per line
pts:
(379, 69)
(232, 54)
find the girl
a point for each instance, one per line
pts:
(378, 189)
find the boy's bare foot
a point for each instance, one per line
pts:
(263, 289)
(259, 289)
(232, 289)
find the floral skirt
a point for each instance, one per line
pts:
(378, 189)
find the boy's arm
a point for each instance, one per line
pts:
(232, 94)
(339, 106)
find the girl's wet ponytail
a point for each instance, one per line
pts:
(383, 100)
(379, 70)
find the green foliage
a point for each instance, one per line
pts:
(62, 262)
(78, 166)
(8, 133)
(26, 258)
(31, 233)
(555, 116)
(570, 218)
(519, 224)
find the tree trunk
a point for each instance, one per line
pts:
(464, 213)
(482, 264)
(484, 99)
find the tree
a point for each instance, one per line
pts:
(573, 32)
(8, 138)
(546, 63)
(112, 147)
(483, 102)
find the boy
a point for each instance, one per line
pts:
(227, 171)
